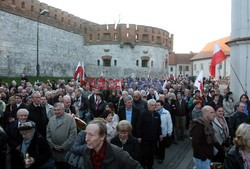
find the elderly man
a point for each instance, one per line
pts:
(67, 105)
(37, 114)
(150, 134)
(131, 114)
(61, 132)
(15, 138)
(101, 154)
(237, 118)
(138, 102)
(203, 139)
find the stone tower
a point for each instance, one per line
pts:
(240, 47)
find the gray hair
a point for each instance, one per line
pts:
(151, 101)
(22, 111)
(128, 98)
(59, 105)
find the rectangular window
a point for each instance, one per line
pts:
(32, 8)
(220, 66)
(194, 66)
(85, 30)
(23, 4)
(90, 36)
(171, 69)
(145, 37)
(187, 68)
(75, 24)
(115, 36)
(98, 62)
(153, 38)
(80, 26)
(144, 63)
(152, 63)
(107, 62)
(62, 19)
(201, 66)
(69, 22)
(115, 62)
(137, 37)
(137, 62)
(180, 68)
(98, 36)
(106, 36)
(13, 2)
(55, 17)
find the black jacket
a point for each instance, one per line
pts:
(135, 122)
(150, 126)
(235, 120)
(131, 146)
(38, 115)
(14, 137)
(39, 149)
(233, 159)
(115, 158)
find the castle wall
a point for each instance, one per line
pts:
(64, 40)
(59, 50)
(126, 60)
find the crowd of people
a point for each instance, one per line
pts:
(127, 128)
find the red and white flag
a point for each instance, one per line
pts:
(79, 73)
(218, 57)
(199, 81)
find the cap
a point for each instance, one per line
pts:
(26, 125)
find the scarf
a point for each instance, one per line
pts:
(208, 129)
(26, 143)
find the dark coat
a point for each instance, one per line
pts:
(3, 139)
(14, 111)
(140, 104)
(207, 100)
(233, 159)
(150, 126)
(99, 111)
(39, 149)
(14, 137)
(135, 122)
(235, 120)
(39, 116)
(131, 146)
(181, 110)
(115, 158)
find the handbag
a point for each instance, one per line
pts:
(74, 160)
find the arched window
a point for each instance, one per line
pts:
(107, 61)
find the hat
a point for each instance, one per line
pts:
(26, 125)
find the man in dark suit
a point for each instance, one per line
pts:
(37, 114)
(19, 105)
(15, 139)
(180, 116)
(81, 103)
(207, 99)
(69, 108)
(131, 114)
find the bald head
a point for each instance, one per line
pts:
(66, 101)
(208, 113)
(137, 95)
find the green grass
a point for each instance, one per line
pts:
(32, 79)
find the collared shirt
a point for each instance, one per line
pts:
(128, 114)
(98, 157)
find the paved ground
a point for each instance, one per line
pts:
(178, 156)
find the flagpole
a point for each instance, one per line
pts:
(236, 76)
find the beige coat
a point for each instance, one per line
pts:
(63, 135)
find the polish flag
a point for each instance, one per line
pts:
(79, 73)
(199, 81)
(218, 57)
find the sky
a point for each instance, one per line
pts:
(194, 23)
